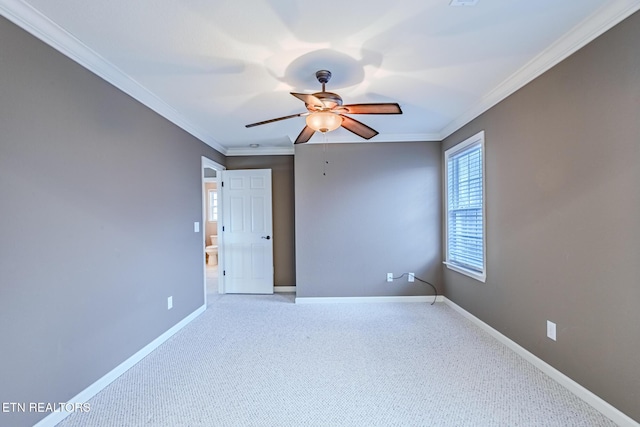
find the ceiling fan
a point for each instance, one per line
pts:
(326, 113)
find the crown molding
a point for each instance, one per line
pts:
(387, 137)
(41, 27)
(411, 137)
(595, 25)
(261, 151)
(287, 151)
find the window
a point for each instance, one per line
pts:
(213, 205)
(465, 226)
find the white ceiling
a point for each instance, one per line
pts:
(212, 66)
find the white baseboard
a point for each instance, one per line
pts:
(602, 406)
(284, 289)
(349, 300)
(86, 394)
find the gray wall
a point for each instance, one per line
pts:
(377, 210)
(563, 217)
(283, 211)
(98, 197)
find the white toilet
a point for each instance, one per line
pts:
(212, 251)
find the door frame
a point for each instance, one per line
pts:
(208, 163)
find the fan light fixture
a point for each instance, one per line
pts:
(324, 121)
(325, 112)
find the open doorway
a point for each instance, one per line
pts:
(212, 224)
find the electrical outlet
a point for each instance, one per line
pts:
(389, 277)
(196, 227)
(169, 303)
(551, 330)
(411, 277)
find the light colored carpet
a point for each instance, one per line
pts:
(212, 279)
(264, 361)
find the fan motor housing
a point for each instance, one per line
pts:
(329, 99)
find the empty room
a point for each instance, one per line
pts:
(420, 213)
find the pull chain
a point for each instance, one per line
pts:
(325, 162)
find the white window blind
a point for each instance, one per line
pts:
(213, 205)
(465, 213)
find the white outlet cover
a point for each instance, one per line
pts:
(551, 330)
(169, 303)
(196, 227)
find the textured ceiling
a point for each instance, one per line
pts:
(214, 66)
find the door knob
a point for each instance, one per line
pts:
(266, 237)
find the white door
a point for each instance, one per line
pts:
(247, 231)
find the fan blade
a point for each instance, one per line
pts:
(305, 135)
(386, 108)
(308, 99)
(358, 128)
(276, 120)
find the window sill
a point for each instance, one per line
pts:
(481, 277)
